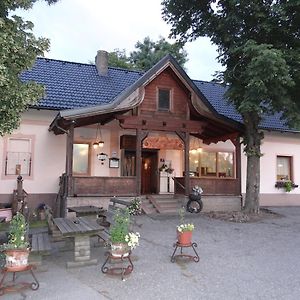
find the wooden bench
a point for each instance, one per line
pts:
(40, 246)
(120, 202)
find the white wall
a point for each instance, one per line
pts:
(48, 159)
(275, 144)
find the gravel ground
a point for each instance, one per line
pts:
(257, 260)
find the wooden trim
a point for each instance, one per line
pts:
(69, 158)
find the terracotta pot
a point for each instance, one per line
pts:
(16, 259)
(185, 237)
(119, 250)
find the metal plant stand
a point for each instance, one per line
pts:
(14, 286)
(117, 265)
(177, 245)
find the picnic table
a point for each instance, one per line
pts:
(81, 229)
(88, 210)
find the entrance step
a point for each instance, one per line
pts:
(165, 204)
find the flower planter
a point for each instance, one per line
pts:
(185, 237)
(119, 250)
(16, 259)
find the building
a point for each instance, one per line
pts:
(102, 132)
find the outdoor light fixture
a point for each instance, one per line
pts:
(101, 142)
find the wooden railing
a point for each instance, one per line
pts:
(104, 186)
(210, 186)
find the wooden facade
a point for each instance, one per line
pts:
(186, 116)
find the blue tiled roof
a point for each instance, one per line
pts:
(75, 85)
(214, 93)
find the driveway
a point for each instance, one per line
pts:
(237, 261)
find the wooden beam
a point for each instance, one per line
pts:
(69, 164)
(160, 124)
(223, 138)
(238, 163)
(185, 136)
(140, 136)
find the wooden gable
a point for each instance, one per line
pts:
(179, 97)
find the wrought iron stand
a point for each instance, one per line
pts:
(112, 269)
(177, 245)
(15, 286)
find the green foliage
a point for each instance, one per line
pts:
(259, 44)
(18, 51)
(17, 238)
(118, 59)
(182, 225)
(135, 207)
(288, 186)
(147, 54)
(120, 227)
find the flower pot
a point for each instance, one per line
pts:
(119, 250)
(16, 259)
(185, 237)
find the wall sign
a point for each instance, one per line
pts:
(114, 162)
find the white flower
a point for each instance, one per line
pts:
(132, 239)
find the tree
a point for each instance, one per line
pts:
(118, 58)
(147, 54)
(18, 51)
(259, 44)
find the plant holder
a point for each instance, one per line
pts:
(111, 266)
(177, 245)
(16, 259)
(185, 237)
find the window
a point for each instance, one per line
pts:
(18, 156)
(212, 164)
(164, 99)
(81, 159)
(128, 163)
(284, 166)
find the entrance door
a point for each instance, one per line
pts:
(149, 172)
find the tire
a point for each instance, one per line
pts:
(194, 206)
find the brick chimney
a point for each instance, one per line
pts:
(101, 61)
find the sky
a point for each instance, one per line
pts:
(78, 28)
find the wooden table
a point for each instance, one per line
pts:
(81, 229)
(82, 211)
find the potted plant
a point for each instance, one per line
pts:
(17, 248)
(122, 241)
(184, 230)
(288, 185)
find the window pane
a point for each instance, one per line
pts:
(164, 99)
(283, 168)
(208, 164)
(128, 164)
(194, 162)
(225, 164)
(18, 158)
(81, 158)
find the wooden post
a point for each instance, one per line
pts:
(138, 165)
(238, 166)
(140, 136)
(69, 166)
(185, 137)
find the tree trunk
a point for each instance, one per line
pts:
(252, 141)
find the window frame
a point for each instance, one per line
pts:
(164, 88)
(291, 175)
(217, 167)
(31, 139)
(89, 158)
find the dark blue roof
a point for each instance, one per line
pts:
(215, 92)
(75, 85)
